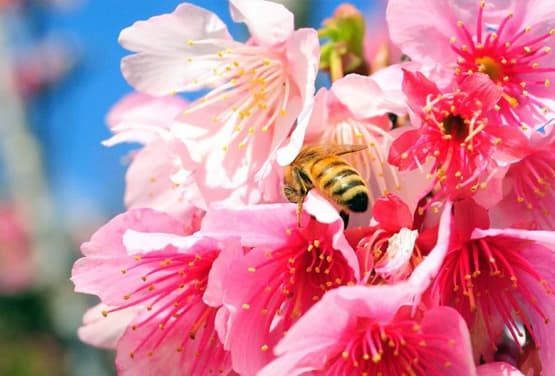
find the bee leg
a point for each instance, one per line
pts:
(299, 212)
(345, 216)
(302, 191)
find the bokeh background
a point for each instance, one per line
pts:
(59, 76)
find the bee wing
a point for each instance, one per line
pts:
(343, 149)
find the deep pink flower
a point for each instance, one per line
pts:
(529, 196)
(454, 131)
(499, 277)
(142, 260)
(510, 41)
(363, 330)
(286, 271)
(258, 88)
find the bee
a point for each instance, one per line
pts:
(323, 168)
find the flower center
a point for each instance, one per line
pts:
(489, 66)
(455, 126)
(511, 59)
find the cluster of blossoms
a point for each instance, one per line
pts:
(449, 271)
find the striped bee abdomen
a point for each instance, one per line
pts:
(341, 182)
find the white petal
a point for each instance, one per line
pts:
(268, 22)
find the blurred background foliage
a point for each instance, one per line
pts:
(59, 76)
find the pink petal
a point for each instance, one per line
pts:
(392, 213)
(142, 109)
(151, 180)
(422, 29)
(105, 332)
(160, 67)
(312, 120)
(426, 271)
(365, 98)
(108, 240)
(417, 88)
(303, 59)
(194, 358)
(480, 86)
(213, 295)
(269, 23)
(498, 369)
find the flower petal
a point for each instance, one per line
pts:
(165, 43)
(269, 23)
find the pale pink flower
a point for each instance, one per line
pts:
(363, 330)
(17, 270)
(161, 173)
(259, 87)
(510, 41)
(453, 130)
(287, 269)
(143, 260)
(499, 277)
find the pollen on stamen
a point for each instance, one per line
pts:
(105, 313)
(251, 269)
(246, 306)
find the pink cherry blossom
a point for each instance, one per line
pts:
(453, 129)
(258, 88)
(529, 183)
(160, 175)
(386, 338)
(287, 269)
(497, 277)
(510, 41)
(143, 260)
(370, 338)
